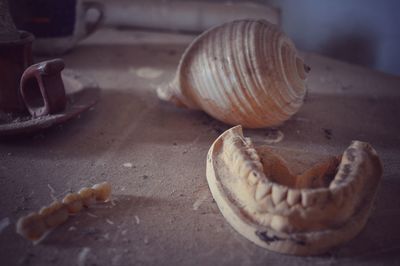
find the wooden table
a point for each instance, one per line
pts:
(154, 155)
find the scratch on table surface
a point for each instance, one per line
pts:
(127, 165)
(82, 256)
(4, 223)
(301, 119)
(52, 192)
(92, 215)
(137, 219)
(147, 72)
(202, 197)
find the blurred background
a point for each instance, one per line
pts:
(363, 32)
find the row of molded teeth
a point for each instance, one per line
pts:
(283, 198)
(277, 198)
(246, 163)
(244, 158)
(34, 225)
(280, 206)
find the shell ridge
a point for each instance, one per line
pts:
(247, 78)
(241, 91)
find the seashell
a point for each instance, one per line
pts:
(243, 72)
(305, 217)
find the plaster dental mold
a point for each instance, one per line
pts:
(301, 214)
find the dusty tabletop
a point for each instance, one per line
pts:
(154, 155)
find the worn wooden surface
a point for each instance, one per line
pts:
(154, 154)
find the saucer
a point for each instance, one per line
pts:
(82, 94)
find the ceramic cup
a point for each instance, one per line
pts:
(37, 89)
(57, 25)
(15, 57)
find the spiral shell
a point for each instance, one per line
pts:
(303, 214)
(243, 72)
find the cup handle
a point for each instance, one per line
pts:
(91, 27)
(42, 88)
